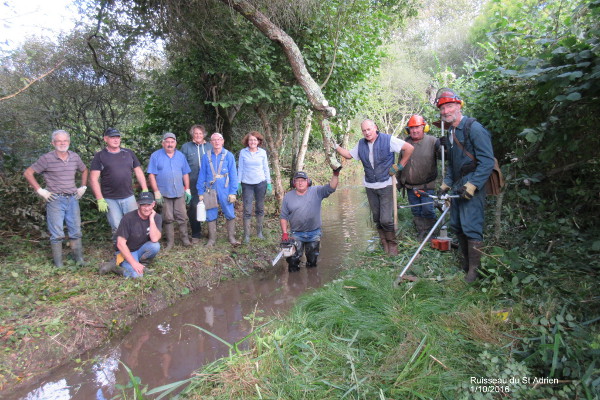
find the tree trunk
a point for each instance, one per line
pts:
(304, 145)
(291, 50)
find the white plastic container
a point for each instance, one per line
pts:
(200, 212)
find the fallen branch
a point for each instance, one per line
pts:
(32, 82)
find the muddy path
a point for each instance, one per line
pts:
(165, 347)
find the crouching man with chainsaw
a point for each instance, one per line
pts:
(471, 160)
(301, 213)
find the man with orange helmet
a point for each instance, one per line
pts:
(420, 173)
(466, 177)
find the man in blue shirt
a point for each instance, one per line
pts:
(467, 177)
(168, 173)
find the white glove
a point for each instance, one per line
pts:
(47, 195)
(80, 192)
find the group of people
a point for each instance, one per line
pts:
(201, 171)
(178, 181)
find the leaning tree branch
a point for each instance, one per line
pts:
(291, 50)
(24, 88)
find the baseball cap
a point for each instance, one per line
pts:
(169, 135)
(111, 132)
(145, 198)
(301, 174)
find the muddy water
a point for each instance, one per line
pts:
(164, 348)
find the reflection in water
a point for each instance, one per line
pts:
(165, 347)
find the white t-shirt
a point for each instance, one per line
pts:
(395, 146)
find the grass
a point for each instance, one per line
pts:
(534, 330)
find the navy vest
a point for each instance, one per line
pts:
(382, 157)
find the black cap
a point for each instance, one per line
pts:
(301, 174)
(111, 132)
(145, 198)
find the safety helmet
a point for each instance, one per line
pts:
(446, 95)
(417, 120)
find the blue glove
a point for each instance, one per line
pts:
(395, 168)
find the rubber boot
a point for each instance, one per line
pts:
(392, 243)
(312, 253)
(170, 234)
(384, 242)
(231, 231)
(463, 245)
(259, 226)
(212, 233)
(57, 254)
(428, 224)
(77, 249)
(183, 231)
(247, 230)
(419, 227)
(474, 260)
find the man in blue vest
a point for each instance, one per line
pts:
(467, 177)
(376, 152)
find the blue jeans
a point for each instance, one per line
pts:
(117, 208)
(63, 210)
(149, 250)
(250, 193)
(425, 211)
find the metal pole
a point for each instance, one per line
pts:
(443, 155)
(399, 278)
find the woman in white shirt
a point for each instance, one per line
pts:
(255, 181)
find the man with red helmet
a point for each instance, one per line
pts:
(420, 173)
(376, 152)
(466, 177)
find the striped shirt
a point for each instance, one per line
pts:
(59, 174)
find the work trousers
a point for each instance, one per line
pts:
(174, 209)
(467, 216)
(381, 202)
(254, 193)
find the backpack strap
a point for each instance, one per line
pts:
(468, 124)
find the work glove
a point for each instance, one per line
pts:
(336, 172)
(285, 237)
(239, 191)
(443, 190)
(188, 196)
(158, 198)
(335, 145)
(80, 192)
(145, 190)
(467, 191)
(102, 205)
(269, 189)
(231, 198)
(46, 194)
(200, 197)
(395, 168)
(444, 141)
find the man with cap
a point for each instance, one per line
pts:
(218, 172)
(419, 175)
(168, 173)
(61, 195)
(138, 238)
(300, 217)
(376, 152)
(466, 177)
(114, 166)
(194, 151)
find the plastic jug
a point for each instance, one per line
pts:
(200, 212)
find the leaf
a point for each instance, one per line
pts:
(574, 96)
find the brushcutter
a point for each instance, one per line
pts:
(444, 202)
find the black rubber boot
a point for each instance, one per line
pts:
(57, 254)
(312, 253)
(77, 249)
(463, 245)
(474, 260)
